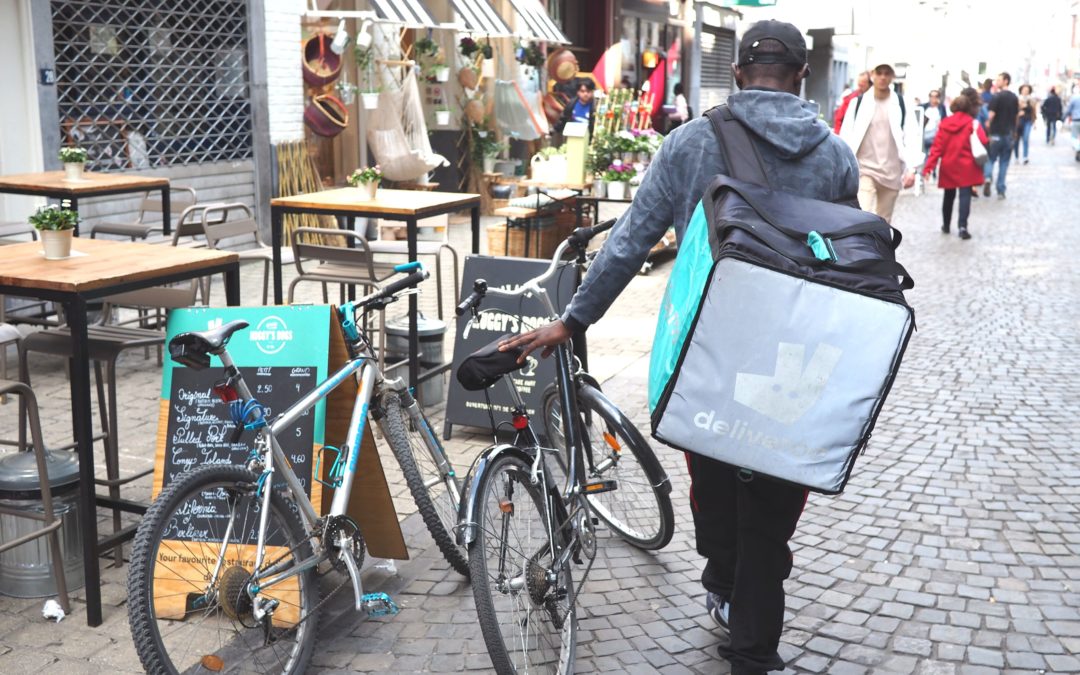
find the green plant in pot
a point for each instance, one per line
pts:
(486, 148)
(74, 160)
(365, 65)
(617, 176)
(366, 180)
(56, 226)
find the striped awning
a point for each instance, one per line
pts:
(536, 24)
(478, 16)
(411, 13)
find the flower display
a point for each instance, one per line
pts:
(369, 174)
(619, 172)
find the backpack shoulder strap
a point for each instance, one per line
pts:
(740, 154)
(858, 102)
(903, 110)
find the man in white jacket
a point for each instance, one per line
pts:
(874, 128)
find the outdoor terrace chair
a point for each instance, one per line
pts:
(50, 522)
(225, 231)
(149, 220)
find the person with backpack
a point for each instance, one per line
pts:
(874, 128)
(862, 85)
(1003, 113)
(959, 171)
(1051, 113)
(742, 524)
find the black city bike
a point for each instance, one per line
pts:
(530, 510)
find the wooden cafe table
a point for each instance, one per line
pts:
(403, 205)
(96, 269)
(53, 184)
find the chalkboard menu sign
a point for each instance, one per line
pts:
(282, 354)
(499, 316)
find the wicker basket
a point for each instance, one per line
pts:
(549, 229)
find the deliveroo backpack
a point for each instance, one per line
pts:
(781, 329)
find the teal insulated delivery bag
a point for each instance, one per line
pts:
(781, 331)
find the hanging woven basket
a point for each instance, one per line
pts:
(321, 65)
(327, 116)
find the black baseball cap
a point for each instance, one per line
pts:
(784, 33)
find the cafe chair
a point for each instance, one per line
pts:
(106, 343)
(232, 227)
(429, 248)
(339, 257)
(16, 229)
(150, 218)
(50, 522)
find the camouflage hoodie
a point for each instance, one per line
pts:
(801, 156)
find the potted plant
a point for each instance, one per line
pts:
(486, 149)
(626, 146)
(467, 46)
(74, 160)
(442, 115)
(617, 176)
(365, 63)
(56, 226)
(366, 180)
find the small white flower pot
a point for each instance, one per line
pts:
(616, 189)
(371, 100)
(442, 73)
(599, 188)
(368, 190)
(633, 191)
(442, 117)
(73, 170)
(56, 243)
(489, 165)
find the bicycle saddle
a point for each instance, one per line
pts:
(193, 348)
(486, 365)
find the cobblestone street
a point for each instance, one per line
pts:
(954, 549)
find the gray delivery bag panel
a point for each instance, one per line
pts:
(782, 327)
(783, 376)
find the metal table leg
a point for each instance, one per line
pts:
(276, 218)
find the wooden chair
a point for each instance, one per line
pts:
(150, 218)
(225, 231)
(50, 523)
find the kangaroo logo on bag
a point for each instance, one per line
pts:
(786, 395)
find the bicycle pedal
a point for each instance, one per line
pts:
(596, 487)
(379, 604)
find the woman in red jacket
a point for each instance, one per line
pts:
(952, 147)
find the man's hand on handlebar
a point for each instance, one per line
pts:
(549, 337)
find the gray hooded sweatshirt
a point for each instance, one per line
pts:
(801, 156)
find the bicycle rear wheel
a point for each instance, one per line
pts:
(435, 489)
(639, 510)
(189, 606)
(525, 605)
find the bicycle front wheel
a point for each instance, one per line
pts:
(639, 510)
(428, 473)
(524, 600)
(190, 603)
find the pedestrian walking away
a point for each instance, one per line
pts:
(874, 129)
(1072, 116)
(742, 526)
(934, 112)
(1051, 113)
(1004, 109)
(1025, 121)
(958, 171)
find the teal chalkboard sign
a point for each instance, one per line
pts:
(282, 354)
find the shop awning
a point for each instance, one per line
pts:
(478, 16)
(537, 24)
(408, 12)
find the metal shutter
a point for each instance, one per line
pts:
(717, 55)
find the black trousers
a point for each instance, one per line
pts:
(947, 199)
(743, 528)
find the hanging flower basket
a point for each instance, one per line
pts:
(321, 65)
(442, 117)
(327, 116)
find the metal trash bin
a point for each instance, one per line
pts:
(431, 333)
(25, 571)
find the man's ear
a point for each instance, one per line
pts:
(737, 72)
(804, 72)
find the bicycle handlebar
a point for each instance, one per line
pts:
(578, 239)
(408, 267)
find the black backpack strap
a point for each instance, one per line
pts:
(740, 154)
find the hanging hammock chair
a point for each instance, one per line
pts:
(516, 119)
(398, 136)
